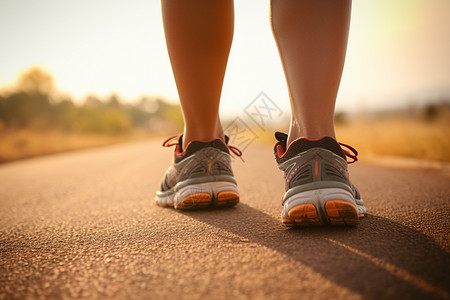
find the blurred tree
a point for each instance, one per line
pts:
(93, 101)
(171, 113)
(114, 101)
(34, 103)
(36, 81)
(340, 118)
(431, 111)
(62, 113)
(116, 122)
(21, 109)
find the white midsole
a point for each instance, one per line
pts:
(320, 197)
(211, 188)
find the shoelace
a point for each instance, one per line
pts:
(174, 140)
(353, 154)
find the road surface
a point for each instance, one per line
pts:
(83, 225)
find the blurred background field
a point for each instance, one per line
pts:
(36, 119)
(419, 133)
(423, 134)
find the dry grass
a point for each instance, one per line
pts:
(399, 136)
(25, 143)
(405, 136)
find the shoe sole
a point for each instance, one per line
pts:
(332, 206)
(202, 195)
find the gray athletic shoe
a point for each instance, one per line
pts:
(317, 184)
(200, 176)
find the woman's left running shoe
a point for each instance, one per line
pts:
(200, 175)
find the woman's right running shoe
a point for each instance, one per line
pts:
(317, 184)
(200, 175)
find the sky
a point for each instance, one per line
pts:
(398, 51)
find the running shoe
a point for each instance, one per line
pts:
(317, 184)
(200, 175)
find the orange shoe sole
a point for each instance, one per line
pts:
(164, 205)
(341, 213)
(194, 201)
(302, 215)
(204, 200)
(227, 198)
(337, 213)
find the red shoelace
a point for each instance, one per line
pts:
(353, 154)
(174, 140)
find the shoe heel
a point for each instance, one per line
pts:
(193, 201)
(202, 195)
(302, 215)
(340, 213)
(334, 206)
(227, 198)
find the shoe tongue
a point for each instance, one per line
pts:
(281, 137)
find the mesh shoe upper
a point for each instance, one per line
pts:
(306, 162)
(199, 160)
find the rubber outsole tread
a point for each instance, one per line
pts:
(193, 201)
(341, 213)
(205, 200)
(337, 213)
(164, 205)
(227, 198)
(302, 215)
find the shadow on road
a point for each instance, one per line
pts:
(378, 259)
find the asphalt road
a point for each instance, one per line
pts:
(84, 225)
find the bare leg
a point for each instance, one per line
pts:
(198, 36)
(312, 40)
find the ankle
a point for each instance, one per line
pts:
(309, 132)
(189, 136)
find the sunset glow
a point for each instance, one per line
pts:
(398, 51)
